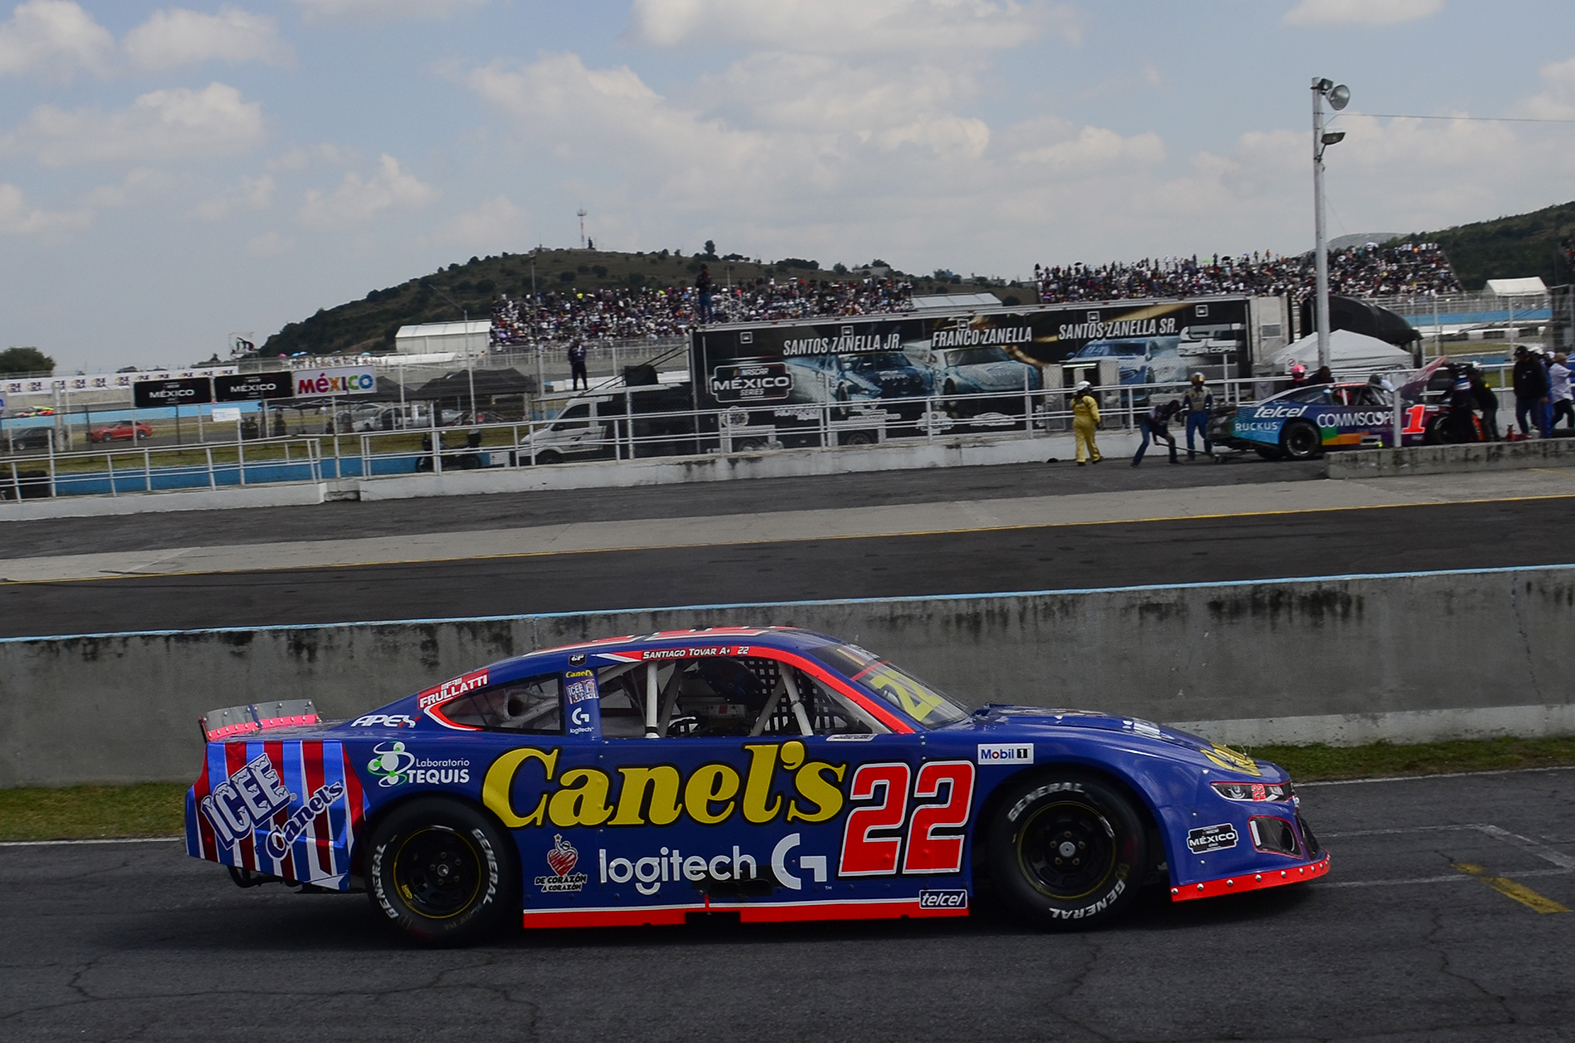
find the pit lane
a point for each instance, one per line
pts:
(132, 941)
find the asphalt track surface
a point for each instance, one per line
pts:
(1398, 943)
(699, 499)
(1318, 543)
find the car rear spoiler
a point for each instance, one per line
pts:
(256, 717)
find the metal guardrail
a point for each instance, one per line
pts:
(617, 435)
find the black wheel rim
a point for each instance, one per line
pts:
(1301, 442)
(1067, 850)
(437, 872)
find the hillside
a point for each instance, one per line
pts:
(1509, 247)
(369, 324)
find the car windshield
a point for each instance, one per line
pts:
(884, 360)
(893, 685)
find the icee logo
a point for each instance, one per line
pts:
(1006, 753)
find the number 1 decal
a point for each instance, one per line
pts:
(1413, 420)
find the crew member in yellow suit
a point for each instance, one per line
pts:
(1085, 417)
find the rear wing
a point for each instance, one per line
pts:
(256, 717)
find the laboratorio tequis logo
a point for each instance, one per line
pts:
(391, 764)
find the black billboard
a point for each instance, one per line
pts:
(998, 351)
(188, 391)
(252, 387)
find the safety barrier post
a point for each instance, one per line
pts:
(109, 462)
(147, 469)
(52, 463)
(16, 482)
(213, 482)
(366, 456)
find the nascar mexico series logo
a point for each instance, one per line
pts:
(393, 765)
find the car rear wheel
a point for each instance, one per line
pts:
(443, 872)
(549, 456)
(1066, 850)
(1301, 442)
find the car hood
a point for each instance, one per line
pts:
(1065, 723)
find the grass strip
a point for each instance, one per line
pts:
(1320, 763)
(156, 808)
(150, 809)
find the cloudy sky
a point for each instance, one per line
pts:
(172, 175)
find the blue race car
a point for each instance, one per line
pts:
(771, 774)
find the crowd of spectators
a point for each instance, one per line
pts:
(646, 312)
(1364, 271)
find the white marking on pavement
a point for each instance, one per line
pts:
(103, 840)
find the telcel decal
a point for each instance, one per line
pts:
(245, 800)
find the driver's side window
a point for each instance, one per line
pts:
(717, 696)
(530, 706)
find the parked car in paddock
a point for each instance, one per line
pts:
(120, 431)
(27, 439)
(770, 773)
(1307, 421)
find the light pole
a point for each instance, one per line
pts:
(470, 367)
(1339, 97)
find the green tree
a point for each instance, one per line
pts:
(17, 361)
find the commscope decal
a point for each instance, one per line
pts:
(524, 788)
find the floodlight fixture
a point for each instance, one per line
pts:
(1333, 137)
(1339, 97)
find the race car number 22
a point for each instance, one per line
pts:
(882, 835)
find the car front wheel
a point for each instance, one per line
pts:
(1066, 850)
(443, 872)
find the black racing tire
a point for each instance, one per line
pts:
(1301, 441)
(858, 438)
(443, 872)
(1066, 850)
(1268, 452)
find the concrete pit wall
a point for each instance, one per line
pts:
(1344, 660)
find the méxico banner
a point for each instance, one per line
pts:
(995, 351)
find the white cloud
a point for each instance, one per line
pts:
(141, 181)
(17, 218)
(177, 36)
(160, 125)
(357, 201)
(1557, 100)
(838, 26)
(380, 10)
(55, 38)
(250, 193)
(495, 224)
(271, 244)
(1361, 12)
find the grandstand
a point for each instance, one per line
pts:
(1409, 270)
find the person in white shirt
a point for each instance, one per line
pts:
(1559, 392)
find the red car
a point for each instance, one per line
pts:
(120, 431)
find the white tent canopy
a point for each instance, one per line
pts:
(1532, 287)
(1347, 350)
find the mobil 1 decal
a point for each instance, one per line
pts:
(732, 817)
